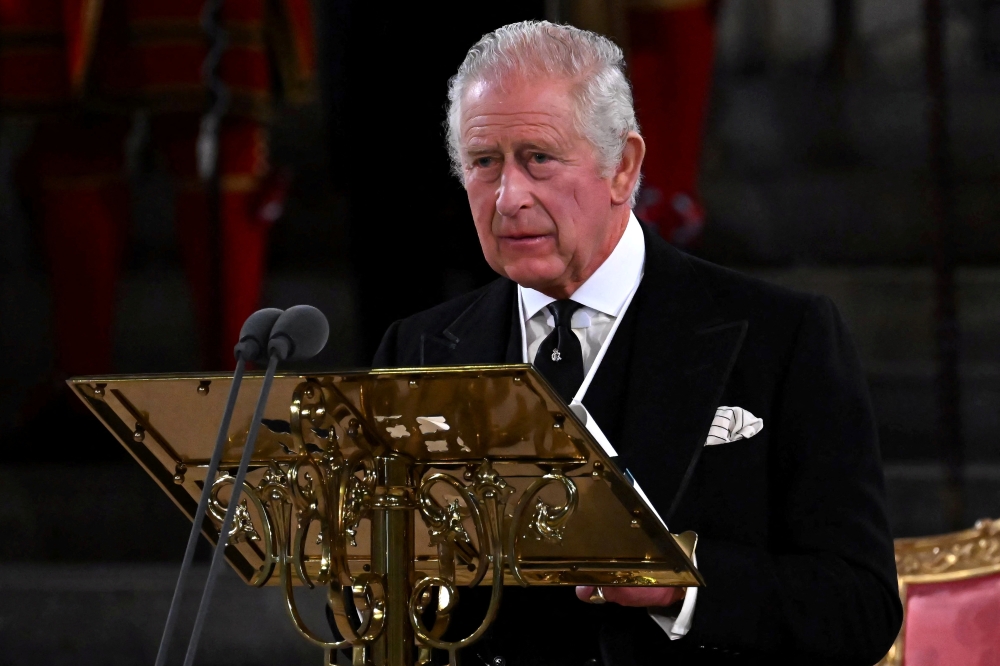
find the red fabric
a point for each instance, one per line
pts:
(83, 204)
(953, 624)
(145, 53)
(76, 186)
(154, 10)
(131, 51)
(81, 19)
(83, 233)
(301, 22)
(671, 59)
(242, 235)
(35, 15)
(244, 243)
(63, 29)
(33, 79)
(32, 54)
(152, 52)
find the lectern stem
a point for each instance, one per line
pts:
(392, 557)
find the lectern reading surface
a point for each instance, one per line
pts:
(396, 487)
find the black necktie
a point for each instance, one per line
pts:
(560, 357)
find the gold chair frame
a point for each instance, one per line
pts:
(942, 558)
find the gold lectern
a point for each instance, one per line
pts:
(393, 488)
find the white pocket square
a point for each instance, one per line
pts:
(732, 424)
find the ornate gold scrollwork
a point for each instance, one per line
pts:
(243, 527)
(446, 528)
(545, 521)
(335, 495)
(442, 617)
(308, 419)
(309, 489)
(488, 494)
(357, 602)
(275, 495)
(328, 491)
(973, 549)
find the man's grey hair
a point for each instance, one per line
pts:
(539, 49)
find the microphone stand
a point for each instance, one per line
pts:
(220, 548)
(199, 515)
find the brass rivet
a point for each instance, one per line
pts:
(635, 523)
(598, 465)
(413, 383)
(518, 380)
(139, 433)
(309, 393)
(367, 567)
(636, 512)
(99, 390)
(203, 387)
(179, 472)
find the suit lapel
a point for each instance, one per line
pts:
(683, 353)
(487, 331)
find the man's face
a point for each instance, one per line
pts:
(545, 216)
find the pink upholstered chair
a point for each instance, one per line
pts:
(950, 587)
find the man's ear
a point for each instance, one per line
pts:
(627, 172)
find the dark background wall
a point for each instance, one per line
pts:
(814, 177)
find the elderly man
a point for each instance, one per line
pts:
(739, 407)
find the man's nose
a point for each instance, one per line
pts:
(515, 191)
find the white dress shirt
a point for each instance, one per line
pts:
(605, 297)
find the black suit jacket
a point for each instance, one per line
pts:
(793, 539)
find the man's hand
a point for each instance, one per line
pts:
(643, 597)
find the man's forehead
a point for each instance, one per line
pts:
(533, 107)
(516, 131)
(514, 94)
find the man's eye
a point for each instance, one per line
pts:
(483, 162)
(540, 158)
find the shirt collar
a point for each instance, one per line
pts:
(609, 287)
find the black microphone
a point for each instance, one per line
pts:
(254, 337)
(299, 333)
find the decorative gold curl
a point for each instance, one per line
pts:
(274, 494)
(243, 527)
(309, 486)
(489, 495)
(364, 592)
(444, 523)
(308, 414)
(546, 521)
(328, 491)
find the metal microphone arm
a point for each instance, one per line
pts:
(298, 333)
(254, 336)
(220, 547)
